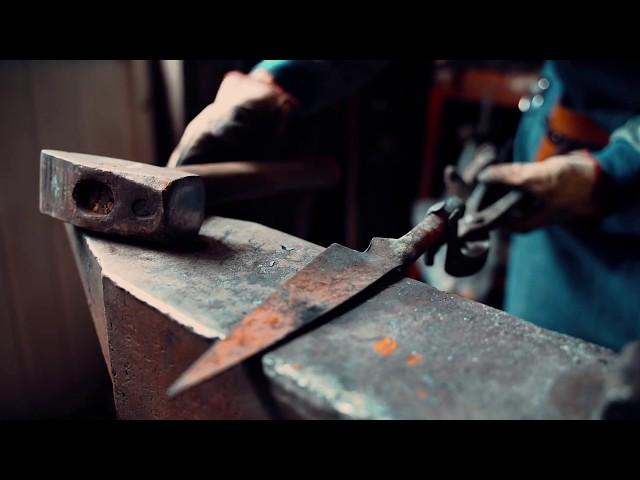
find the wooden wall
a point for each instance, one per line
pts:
(50, 362)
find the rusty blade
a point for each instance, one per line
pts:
(329, 280)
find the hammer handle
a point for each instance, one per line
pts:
(232, 181)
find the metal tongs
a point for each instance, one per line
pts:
(469, 242)
(485, 208)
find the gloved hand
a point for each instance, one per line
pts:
(245, 120)
(566, 185)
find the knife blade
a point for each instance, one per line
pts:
(333, 277)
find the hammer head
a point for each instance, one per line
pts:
(120, 197)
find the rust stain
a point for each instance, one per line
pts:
(423, 394)
(386, 346)
(259, 328)
(414, 359)
(102, 207)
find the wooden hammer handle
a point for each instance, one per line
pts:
(232, 181)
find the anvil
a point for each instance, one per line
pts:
(408, 351)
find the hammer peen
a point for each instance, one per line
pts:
(133, 199)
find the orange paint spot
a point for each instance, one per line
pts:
(414, 359)
(296, 366)
(273, 320)
(386, 346)
(468, 293)
(422, 394)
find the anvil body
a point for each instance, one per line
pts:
(407, 351)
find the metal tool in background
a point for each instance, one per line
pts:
(472, 261)
(333, 277)
(476, 153)
(133, 199)
(469, 242)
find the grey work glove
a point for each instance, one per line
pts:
(566, 185)
(247, 117)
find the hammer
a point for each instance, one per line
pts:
(162, 204)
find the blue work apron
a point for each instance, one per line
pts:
(581, 283)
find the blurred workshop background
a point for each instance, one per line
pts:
(392, 141)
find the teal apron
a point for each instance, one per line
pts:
(581, 283)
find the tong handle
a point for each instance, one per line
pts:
(478, 223)
(430, 234)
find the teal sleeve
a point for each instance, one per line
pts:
(620, 193)
(319, 83)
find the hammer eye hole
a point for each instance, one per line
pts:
(143, 208)
(93, 197)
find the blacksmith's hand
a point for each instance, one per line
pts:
(566, 186)
(246, 119)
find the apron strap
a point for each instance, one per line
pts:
(569, 130)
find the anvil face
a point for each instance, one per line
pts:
(408, 351)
